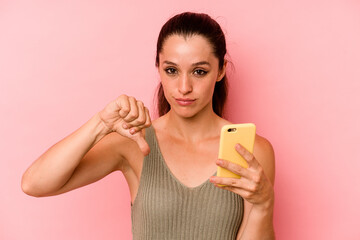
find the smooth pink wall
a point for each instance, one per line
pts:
(296, 75)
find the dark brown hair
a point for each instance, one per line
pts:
(188, 24)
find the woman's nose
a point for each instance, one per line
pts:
(185, 85)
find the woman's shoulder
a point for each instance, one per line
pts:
(264, 154)
(263, 144)
(158, 124)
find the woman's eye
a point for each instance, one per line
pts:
(170, 71)
(200, 72)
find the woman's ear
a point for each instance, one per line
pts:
(222, 72)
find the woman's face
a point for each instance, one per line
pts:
(189, 70)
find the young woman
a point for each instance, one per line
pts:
(170, 163)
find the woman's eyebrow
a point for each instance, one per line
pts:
(194, 64)
(201, 63)
(169, 63)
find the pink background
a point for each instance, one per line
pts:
(296, 75)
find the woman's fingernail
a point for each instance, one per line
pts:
(220, 162)
(239, 148)
(125, 126)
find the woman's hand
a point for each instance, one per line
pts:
(253, 186)
(127, 116)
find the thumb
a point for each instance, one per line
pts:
(141, 142)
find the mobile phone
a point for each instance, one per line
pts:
(230, 135)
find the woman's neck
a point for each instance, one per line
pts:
(199, 127)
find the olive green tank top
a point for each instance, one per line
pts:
(166, 209)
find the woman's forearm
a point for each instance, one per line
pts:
(259, 224)
(55, 167)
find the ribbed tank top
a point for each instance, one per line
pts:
(164, 208)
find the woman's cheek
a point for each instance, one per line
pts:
(166, 90)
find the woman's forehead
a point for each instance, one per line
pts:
(193, 48)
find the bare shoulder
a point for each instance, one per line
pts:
(264, 154)
(263, 145)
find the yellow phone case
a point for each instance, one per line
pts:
(232, 134)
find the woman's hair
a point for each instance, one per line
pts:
(188, 24)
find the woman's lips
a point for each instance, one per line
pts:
(184, 101)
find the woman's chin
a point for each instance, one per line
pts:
(188, 113)
(183, 113)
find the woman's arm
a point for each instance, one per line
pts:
(256, 187)
(259, 220)
(91, 152)
(53, 169)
